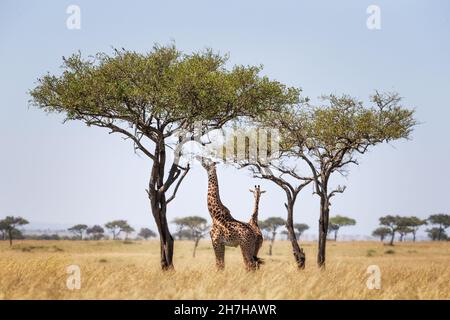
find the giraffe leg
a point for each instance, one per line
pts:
(247, 254)
(219, 251)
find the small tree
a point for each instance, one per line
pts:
(127, 230)
(271, 226)
(78, 230)
(96, 232)
(413, 224)
(196, 226)
(393, 223)
(403, 230)
(340, 221)
(381, 232)
(146, 233)
(10, 224)
(117, 226)
(437, 234)
(443, 222)
(300, 228)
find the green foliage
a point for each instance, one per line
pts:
(78, 229)
(441, 219)
(163, 84)
(191, 227)
(118, 226)
(300, 228)
(272, 224)
(146, 233)
(342, 221)
(437, 234)
(96, 231)
(381, 232)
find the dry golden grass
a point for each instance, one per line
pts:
(115, 270)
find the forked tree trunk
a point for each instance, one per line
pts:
(299, 254)
(323, 231)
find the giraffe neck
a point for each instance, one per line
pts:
(254, 219)
(215, 206)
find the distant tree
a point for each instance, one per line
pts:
(403, 230)
(10, 224)
(300, 228)
(196, 226)
(96, 232)
(437, 234)
(381, 232)
(146, 233)
(285, 234)
(127, 230)
(443, 222)
(413, 224)
(118, 226)
(271, 226)
(393, 223)
(78, 229)
(340, 221)
(183, 234)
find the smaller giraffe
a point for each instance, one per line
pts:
(254, 219)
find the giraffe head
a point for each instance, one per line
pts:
(208, 164)
(257, 191)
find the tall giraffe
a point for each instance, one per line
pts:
(225, 230)
(254, 219)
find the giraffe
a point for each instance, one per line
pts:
(254, 219)
(225, 230)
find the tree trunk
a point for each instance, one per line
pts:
(272, 240)
(299, 254)
(10, 237)
(335, 235)
(323, 231)
(391, 243)
(195, 246)
(165, 238)
(414, 236)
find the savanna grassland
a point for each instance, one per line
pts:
(118, 270)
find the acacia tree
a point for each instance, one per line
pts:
(10, 224)
(414, 223)
(381, 232)
(340, 221)
(393, 223)
(436, 234)
(300, 228)
(116, 227)
(127, 230)
(96, 231)
(78, 229)
(159, 100)
(146, 233)
(271, 225)
(194, 225)
(329, 137)
(443, 222)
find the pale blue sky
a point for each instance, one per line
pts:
(57, 174)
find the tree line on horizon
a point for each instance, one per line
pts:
(196, 228)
